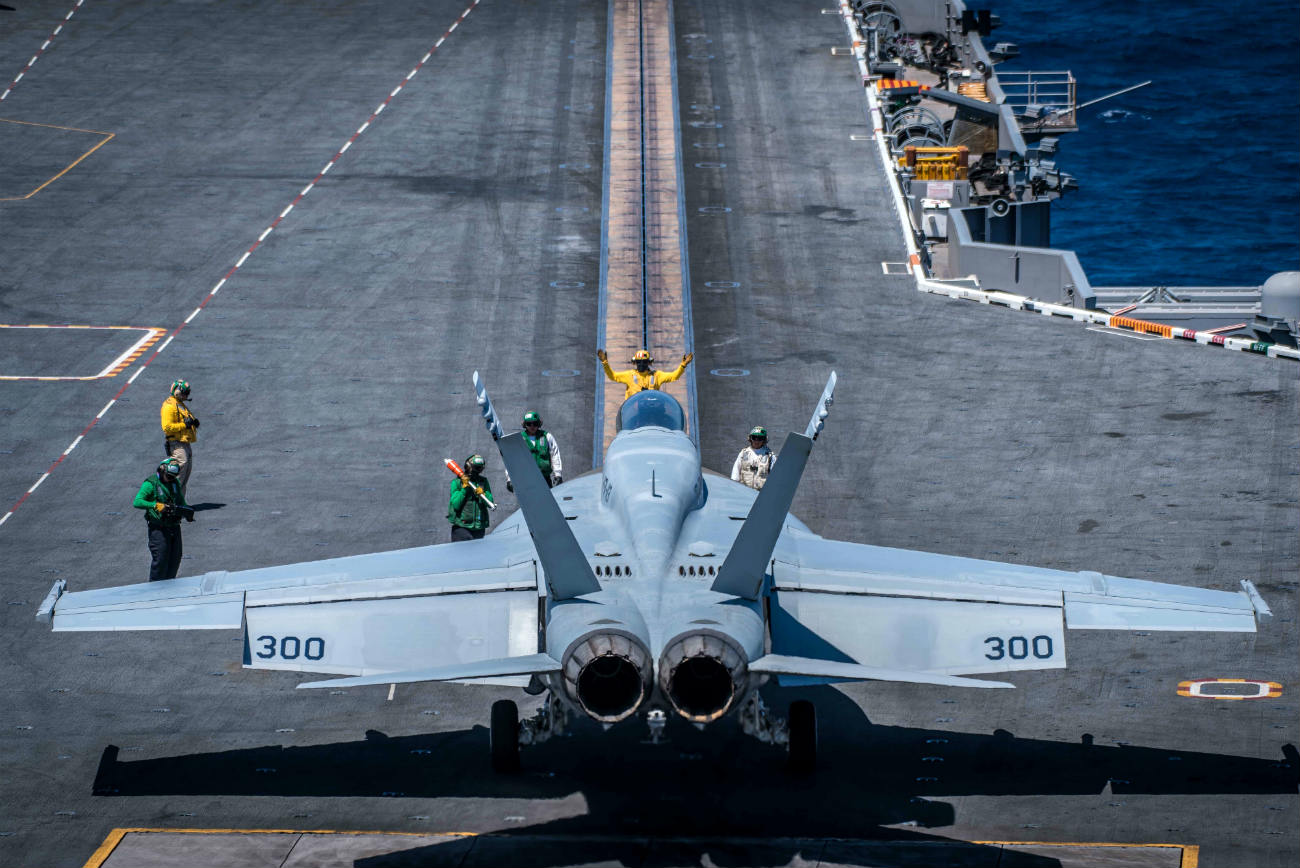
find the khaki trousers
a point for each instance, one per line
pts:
(184, 456)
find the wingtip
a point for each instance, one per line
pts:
(1256, 599)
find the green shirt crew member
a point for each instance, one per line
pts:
(466, 510)
(546, 452)
(161, 498)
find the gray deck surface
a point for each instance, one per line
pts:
(331, 373)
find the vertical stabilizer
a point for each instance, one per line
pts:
(742, 572)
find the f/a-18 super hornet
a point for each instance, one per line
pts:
(653, 586)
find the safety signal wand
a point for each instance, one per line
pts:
(455, 468)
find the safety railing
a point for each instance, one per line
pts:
(1052, 94)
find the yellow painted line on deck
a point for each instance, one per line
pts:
(101, 854)
(115, 367)
(1191, 853)
(643, 231)
(67, 168)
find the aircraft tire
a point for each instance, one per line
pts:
(504, 736)
(802, 729)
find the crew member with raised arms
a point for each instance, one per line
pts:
(754, 463)
(546, 452)
(180, 429)
(641, 377)
(161, 496)
(467, 510)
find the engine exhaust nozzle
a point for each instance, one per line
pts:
(703, 674)
(608, 675)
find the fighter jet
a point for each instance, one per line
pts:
(653, 587)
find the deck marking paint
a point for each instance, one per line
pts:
(41, 50)
(1207, 688)
(101, 854)
(227, 275)
(67, 168)
(113, 368)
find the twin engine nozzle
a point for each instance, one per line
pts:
(703, 674)
(609, 674)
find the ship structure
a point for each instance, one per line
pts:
(973, 154)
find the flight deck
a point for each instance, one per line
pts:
(328, 216)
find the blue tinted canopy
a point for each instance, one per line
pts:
(651, 408)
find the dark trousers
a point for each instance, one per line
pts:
(165, 547)
(459, 533)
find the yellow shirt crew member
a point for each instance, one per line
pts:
(642, 376)
(180, 429)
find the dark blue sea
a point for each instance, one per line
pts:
(1195, 178)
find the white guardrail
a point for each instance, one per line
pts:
(925, 283)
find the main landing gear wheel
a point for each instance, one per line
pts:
(504, 736)
(802, 731)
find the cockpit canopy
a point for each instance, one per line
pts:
(651, 409)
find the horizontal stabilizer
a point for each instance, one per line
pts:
(779, 664)
(531, 664)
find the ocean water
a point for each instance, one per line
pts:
(1195, 178)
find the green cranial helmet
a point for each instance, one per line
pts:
(475, 462)
(532, 416)
(169, 465)
(758, 431)
(180, 387)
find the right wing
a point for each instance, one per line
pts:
(434, 606)
(924, 612)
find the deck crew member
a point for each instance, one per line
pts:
(466, 511)
(754, 463)
(180, 429)
(642, 376)
(159, 495)
(546, 452)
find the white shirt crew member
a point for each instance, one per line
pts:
(753, 466)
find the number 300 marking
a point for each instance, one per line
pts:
(291, 647)
(1018, 647)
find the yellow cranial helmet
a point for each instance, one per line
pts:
(642, 356)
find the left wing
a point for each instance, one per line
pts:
(918, 611)
(434, 606)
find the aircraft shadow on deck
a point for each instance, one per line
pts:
(713, 783)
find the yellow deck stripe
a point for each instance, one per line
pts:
(1191, 853)
(115, 837)
(66, 169)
